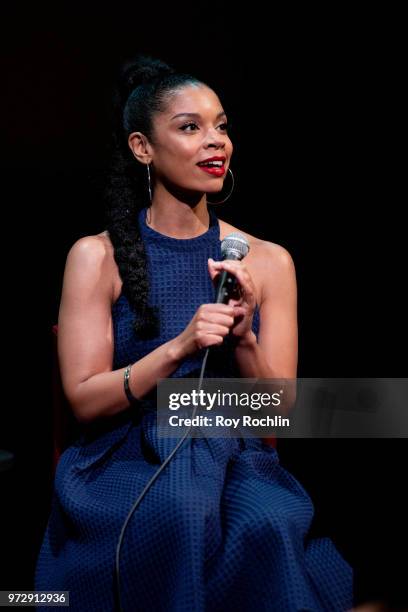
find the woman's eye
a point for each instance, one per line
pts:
(223, 126)
(184, 127)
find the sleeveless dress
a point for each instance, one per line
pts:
(224, 527)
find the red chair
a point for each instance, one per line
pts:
(270, 441)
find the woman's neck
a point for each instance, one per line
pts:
(178, 220)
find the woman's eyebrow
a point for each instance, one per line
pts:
(197, 115)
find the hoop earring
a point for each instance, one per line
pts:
(149, 182)
(231, 190)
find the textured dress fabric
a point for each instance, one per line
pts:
(224, 527)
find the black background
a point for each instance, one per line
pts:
(314, 98)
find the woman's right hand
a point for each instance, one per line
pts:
(210, 324)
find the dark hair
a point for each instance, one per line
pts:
(143, 88)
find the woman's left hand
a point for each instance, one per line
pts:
(244, 306)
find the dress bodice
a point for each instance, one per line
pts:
(179, 283)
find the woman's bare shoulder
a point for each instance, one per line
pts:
(260, 250)
(95, 254)
(95, 248)
(269, 263)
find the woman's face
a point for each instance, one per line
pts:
(192, 129)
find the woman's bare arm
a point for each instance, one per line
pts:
(275, 354)
(85, 338)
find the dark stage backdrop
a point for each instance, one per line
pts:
(314, 103)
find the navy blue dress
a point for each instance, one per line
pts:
(224, 527)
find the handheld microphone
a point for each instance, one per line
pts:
(234, 246)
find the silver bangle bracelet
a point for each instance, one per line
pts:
(129, 394)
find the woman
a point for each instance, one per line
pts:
(224, 526)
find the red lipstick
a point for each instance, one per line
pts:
(216, 169)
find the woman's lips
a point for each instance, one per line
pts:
(217, 171)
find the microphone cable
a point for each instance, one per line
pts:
(145, 490)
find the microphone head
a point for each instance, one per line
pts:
(234, 246)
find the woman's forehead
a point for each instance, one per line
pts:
(198, 99)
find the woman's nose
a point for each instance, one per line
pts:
(216, 145)
(216, 141)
